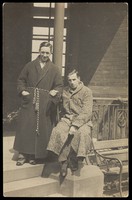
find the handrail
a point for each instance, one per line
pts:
(110, 98)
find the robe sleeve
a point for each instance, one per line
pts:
(86, 112)
(57, 85)
(22, 80)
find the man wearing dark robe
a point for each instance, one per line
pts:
(39, 87)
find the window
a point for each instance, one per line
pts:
(43, 29)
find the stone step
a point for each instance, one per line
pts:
(33, 187)
(16, 173)
(56, 195)
(87, 181)
(11, 172)
(8, 152)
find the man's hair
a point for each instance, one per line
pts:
(74, 71)
(46, 44)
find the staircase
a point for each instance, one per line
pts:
(26, 180)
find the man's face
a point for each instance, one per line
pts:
(44, 53)
(73, 81)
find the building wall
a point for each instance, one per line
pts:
(111, 77)
(17, 36)
(98, 46)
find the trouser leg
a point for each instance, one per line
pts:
(65, 150)
(27, 156)
(22, 155)
(73, 161)
(63, 157)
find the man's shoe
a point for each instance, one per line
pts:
(32, 162)
(21, 161)
(73, 164)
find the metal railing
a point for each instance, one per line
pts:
(110, 118)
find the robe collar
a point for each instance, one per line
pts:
(72, 92)
(41, 72)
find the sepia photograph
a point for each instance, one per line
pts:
(65, 99)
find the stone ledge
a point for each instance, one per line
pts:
(87, 181)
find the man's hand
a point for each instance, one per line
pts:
(24, 93)
(53, 92)
(72, 130)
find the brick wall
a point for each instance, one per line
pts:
(97, 46)
(111, 76)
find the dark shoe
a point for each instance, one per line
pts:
(32, 162)
(63, 170)
(21, 161)
(73, 164)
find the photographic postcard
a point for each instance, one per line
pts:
(93, 39)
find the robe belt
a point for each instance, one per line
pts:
(36, 104)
